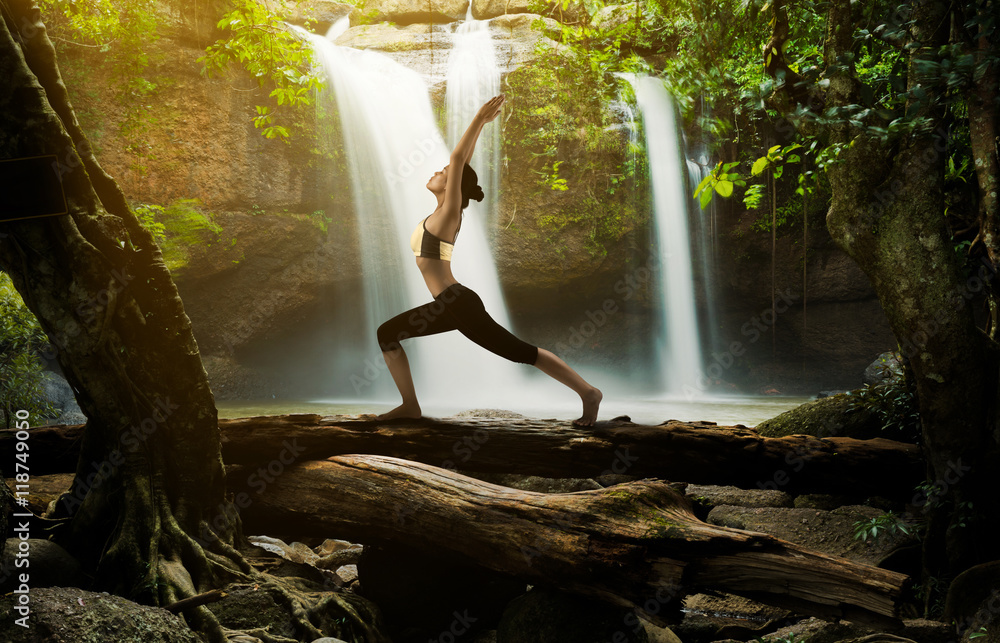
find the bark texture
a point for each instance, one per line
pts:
(690, 452)
(892, 222)
(628, 544)
(96, 281)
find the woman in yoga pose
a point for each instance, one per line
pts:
(456, 307)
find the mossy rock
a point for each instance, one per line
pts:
(885, 410)
(827, 417)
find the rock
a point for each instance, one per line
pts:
(721, 615)
(839, 415)
(50, 565)
(348, 574)
(329, 639)
(387, 38)
(70, 615)
(407, 12)
(245, 608)
(886, 367)
(331, 545)
(973, 601)
(323, 12)
(831, 532)
(712, 496)
(486, 9)
(822, 501)
(425, 596)
(614, 15)
(657, 634)
(550, 616)
(60, 394)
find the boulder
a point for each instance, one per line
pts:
(407, 12)
(70, 615)
(323, 12)
(710, 495)
(831, 532)
(50, 565)
(614, 15)
(887, 367)
(834, 416)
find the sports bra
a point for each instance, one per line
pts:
(424, 244)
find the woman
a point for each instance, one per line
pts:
(455, 307)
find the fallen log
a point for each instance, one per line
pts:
(636, 544)
(700, 452)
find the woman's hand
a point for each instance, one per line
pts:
(491, 109)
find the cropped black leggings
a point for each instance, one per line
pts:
(456, 308)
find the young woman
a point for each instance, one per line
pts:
(455, 307)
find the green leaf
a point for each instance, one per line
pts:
(724, 188)
(706, 198)
(759, 165)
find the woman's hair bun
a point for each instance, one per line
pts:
(478, 194)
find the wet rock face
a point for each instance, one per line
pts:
(71, 615)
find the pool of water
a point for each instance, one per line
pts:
(730, 410)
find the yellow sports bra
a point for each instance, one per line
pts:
(424, 244)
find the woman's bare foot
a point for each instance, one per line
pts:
(409, 411)
(591, 402)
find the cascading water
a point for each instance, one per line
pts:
(678, 345)
(706, 235)
(392, 146)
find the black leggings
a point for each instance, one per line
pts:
(456, 308)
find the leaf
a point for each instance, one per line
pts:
(760, 165)
(724, 188)
(706, 198)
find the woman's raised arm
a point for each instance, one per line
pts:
(467, 144)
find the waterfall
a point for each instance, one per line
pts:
(706, 236)
(392, 147)
(677, 346)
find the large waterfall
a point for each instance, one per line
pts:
(392, 146)
(678, 345)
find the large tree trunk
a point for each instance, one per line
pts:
(698, 452)
(147, 523)
(628, 544)
(892, 222)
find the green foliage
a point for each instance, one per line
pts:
(562, 129)
(274, 56)
(21, 375)
(895, 405)
(125, 32)
(178, 228)
(887, 524)
(978, 634)
(720, 180)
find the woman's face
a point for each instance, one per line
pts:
(438, 181)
